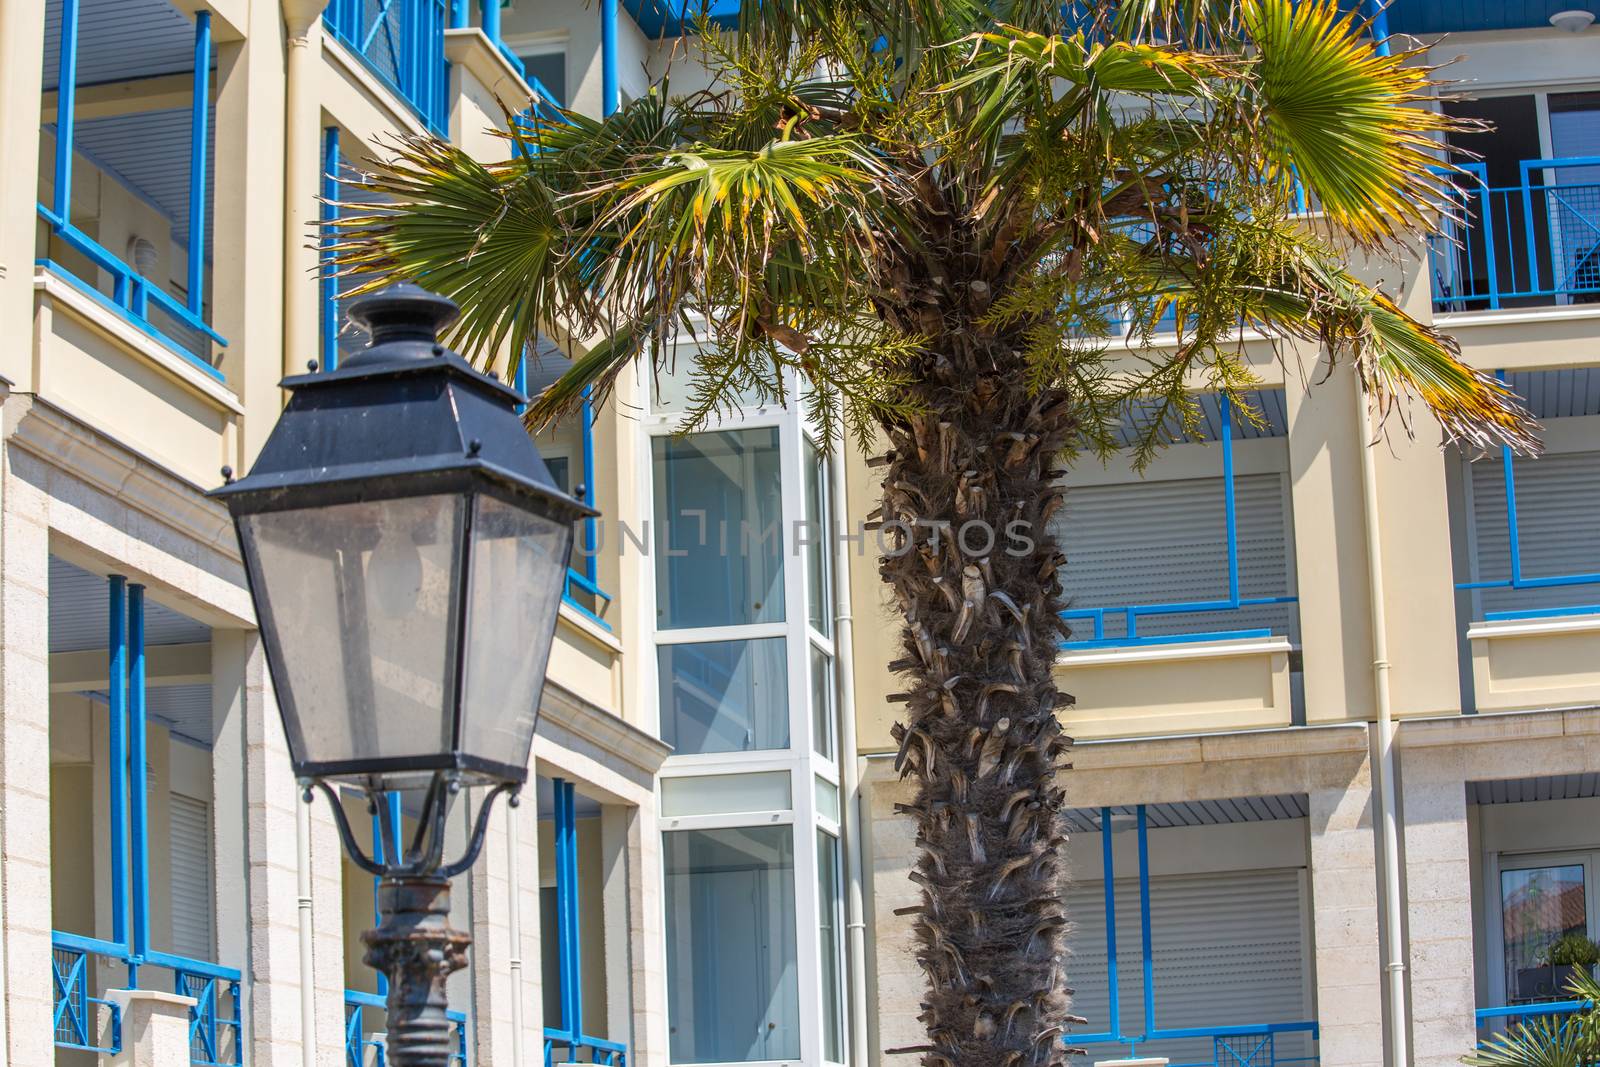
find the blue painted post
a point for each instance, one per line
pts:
(491, 20)
(567, 909)
(1228, 501)
(1148, 956)
(1108, 865)
(329, 280)
(586, 414)
(610, 94)
(117, 742)
(199, 124)
(1528, 229)
(138, 784)
(1513, 537)
(66, 102)
(459, 20)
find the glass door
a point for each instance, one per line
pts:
(1542, 899)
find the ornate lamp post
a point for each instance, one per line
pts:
(406, 551)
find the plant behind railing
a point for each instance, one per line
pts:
(1557, 1039)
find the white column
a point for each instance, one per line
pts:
(494, 956)
(25, 971)
(1438, 869)
(646, 941)
(272, 991)
(614, 823)
(1344, 898)
(155, 1028)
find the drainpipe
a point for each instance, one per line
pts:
(1394, 967)
(514, 928)
(301, 179)
(300, 184)
(849, 773)
(308, 977)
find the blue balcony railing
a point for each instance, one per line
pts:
(1585, 596)
(177, 321)
(1230, 1045)
(214, 1021)
(402, 42)
(1233, 600)
(1536, 242)
(1491, 1021)
(358, 1039)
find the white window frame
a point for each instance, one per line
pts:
(1494, 933)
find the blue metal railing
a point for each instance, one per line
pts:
(134, 297)
(214, 1021)
(1492, 1020)
(1245, 1045)
(357, 1034)
(402, 42)
(1234, 601)
(1517, 579)
(569, 1037)
(1530, 243)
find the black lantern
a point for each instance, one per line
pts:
(406, 550)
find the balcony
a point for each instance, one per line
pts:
(1533, 243)
(1528, 568)
(1180, 582)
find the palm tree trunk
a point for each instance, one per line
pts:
(981, 735)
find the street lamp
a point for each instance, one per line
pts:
(406, 551)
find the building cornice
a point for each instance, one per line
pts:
(1498, 727)
(471, 49)
(573, 723)
(136, 480)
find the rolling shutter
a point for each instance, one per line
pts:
(1229, 949)
(191, 877)
(1165, 542)
(1558, 509)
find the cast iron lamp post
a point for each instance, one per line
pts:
(406, 551)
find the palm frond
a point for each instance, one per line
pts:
(1352, 125)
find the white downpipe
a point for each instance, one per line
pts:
(514, 926)
(1394, 966)
(308, 976)
(301, 181)
(849, 775)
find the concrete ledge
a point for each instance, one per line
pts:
(1490, 728)
(471, 49)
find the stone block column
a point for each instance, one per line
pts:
(646, 938)
(25, 980)
(1344, 918)
(1438, 870)
(504, 971)
(155, 1028)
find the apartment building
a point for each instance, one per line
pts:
(712, 866)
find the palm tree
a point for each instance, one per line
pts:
(936, 212)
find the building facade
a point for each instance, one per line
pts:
(1337, 717)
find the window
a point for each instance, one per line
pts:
(819, 541)
(731, 953)
(724, 696)
(545, 69)
(719, 552)
(830, 911)
(1538, 905)
(821, 703)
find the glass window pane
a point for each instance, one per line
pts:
(830, 909)
(821, 702)
(819, 543)
(722, 794)
(550, 69)
(360, 603)
(731, 957)
(827, 797)
(725, 696)
(718, 513)
(1537, 906)
(512, 550)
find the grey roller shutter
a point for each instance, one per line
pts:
(1558, 513)
(191, 878)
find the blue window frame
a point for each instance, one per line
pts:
(134, 296)
(215, 1034)
(1233, 598)
(1233, 1045)
(569, 1037)
(402, 42)
(1567, 391)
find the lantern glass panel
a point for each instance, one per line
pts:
(518, 570)
(359, 601)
